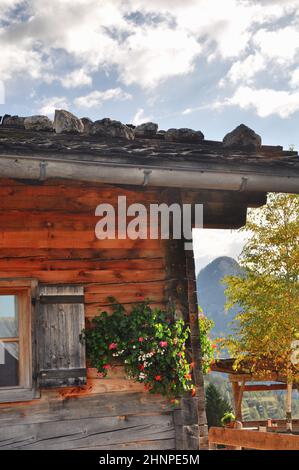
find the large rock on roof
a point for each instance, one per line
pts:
(109, 128)
(146, 130)
(242, 136)
(184, 135)
(66, 122)
(15, 122)
(87, 123)
(38, 123)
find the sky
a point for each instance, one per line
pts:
(209, 244)
(204, 64)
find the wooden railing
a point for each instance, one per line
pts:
(248, 439)
(280, 424)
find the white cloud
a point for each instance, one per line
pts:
(155, 54)
(279, 44)
(264, 101)
(49, 105)
(164, 40)
(2, 92)
(294, 78)
(96, 98)
(140, 117)
(209, 244)
(244, 70)
(76, 79)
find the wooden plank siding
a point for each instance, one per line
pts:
(47, 233)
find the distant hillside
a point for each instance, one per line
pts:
(211, 295)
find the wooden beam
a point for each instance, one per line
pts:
(196, 349)
(253, 439)
(264, 387)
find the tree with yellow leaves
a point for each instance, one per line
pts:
(266, 327)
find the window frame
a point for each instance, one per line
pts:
(26, 390)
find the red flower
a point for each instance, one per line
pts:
(188, 376)
(140, 339)
(193, 392)
(163, 344)
(106, 366)
(158, 378)
(191, 365)
(214, 346)
(112, 346)
(141, 367)
(180, 354)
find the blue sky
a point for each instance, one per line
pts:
(204, 64)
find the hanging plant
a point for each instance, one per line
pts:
(150, 344)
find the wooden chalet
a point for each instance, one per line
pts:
(55, 274)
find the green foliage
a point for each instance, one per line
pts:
(216, 406)
(228, 417)
(207, 346)
(150, 344)
(267, 295)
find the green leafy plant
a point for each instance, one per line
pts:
(227, 418)
(207, 346)
(150, 344)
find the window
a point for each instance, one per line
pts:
(16, 341)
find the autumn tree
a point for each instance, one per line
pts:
(267, 295)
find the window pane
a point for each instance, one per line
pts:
(8, 316)
(9, 364)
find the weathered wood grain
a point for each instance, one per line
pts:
(53, 407)
(83, 433)
(61, 355)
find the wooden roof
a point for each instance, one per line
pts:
(246, 371)
(144, 151)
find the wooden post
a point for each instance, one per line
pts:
(238, 396)
(289, 406)
(196, 350)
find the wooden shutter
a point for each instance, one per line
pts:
(61, 354)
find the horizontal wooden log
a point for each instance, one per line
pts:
(92, 310)
(73, 254)
(51, 238)
(264, 387)
(69, 197)
(94, 276)
(31, 264)
(124, 293)
(161, 444)
(253, 439)
(83, 433)
(53, 407)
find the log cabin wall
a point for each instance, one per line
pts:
(47, 233)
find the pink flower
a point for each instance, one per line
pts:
(180, 354)
(163, 344)
(140, 339)
(112, 346)
(106, 366)
(158, 378)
